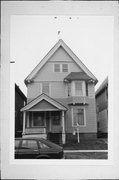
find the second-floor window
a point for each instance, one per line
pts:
(64, 67)
(60, 67)
(45, 88)
(56, 67)
(78, 88)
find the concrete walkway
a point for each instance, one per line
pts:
(76, 151)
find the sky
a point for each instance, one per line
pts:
(89, 37)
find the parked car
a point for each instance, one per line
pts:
(35, 148)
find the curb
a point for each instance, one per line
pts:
(75, 151)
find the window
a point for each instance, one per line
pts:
(55, 116)
(78, 88)
(78, 117)
(64, 67)
(38, 119)
(42, 145)
(45, 88)
(56, 67)
(29, 144)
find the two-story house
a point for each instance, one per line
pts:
(101, 96)
(60, 96)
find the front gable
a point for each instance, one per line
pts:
(60, 52)
(43, 105)
(43, 101)
(60, 55)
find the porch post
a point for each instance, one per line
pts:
(24, 119)
(63, 129)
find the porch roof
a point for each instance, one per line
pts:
(43, 97)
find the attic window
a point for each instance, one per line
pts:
(64, 67)
(56, 67)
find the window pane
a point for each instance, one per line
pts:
(64, 67)
(78, 117)
(56, 67)
(38, 119)
(29, 144)
(78, 89)
(45, 88)
(80, 114)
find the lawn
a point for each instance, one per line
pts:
(87, 155)
(98, 144)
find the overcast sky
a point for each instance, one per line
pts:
(89, 37)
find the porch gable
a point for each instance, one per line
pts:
(46, 101)
(43, 106)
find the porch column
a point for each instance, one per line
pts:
(24, 122)
(63, 129)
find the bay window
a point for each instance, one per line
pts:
(78, 88)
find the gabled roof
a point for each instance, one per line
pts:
(18, 90)
(77, 76)
(60, 43)
(46, 98)
(102, 86)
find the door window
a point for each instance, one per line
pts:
(55, 116)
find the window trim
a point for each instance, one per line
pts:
(72, 110)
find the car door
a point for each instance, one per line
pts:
(28, 149)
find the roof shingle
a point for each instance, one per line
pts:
(78, 76)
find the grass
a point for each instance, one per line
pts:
(98, 144)
(87, 155)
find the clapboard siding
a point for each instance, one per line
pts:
(91, 90)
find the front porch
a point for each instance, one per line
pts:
(45, 119)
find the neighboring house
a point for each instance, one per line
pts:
(20, 101)
(102, 108)
(60, 94)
